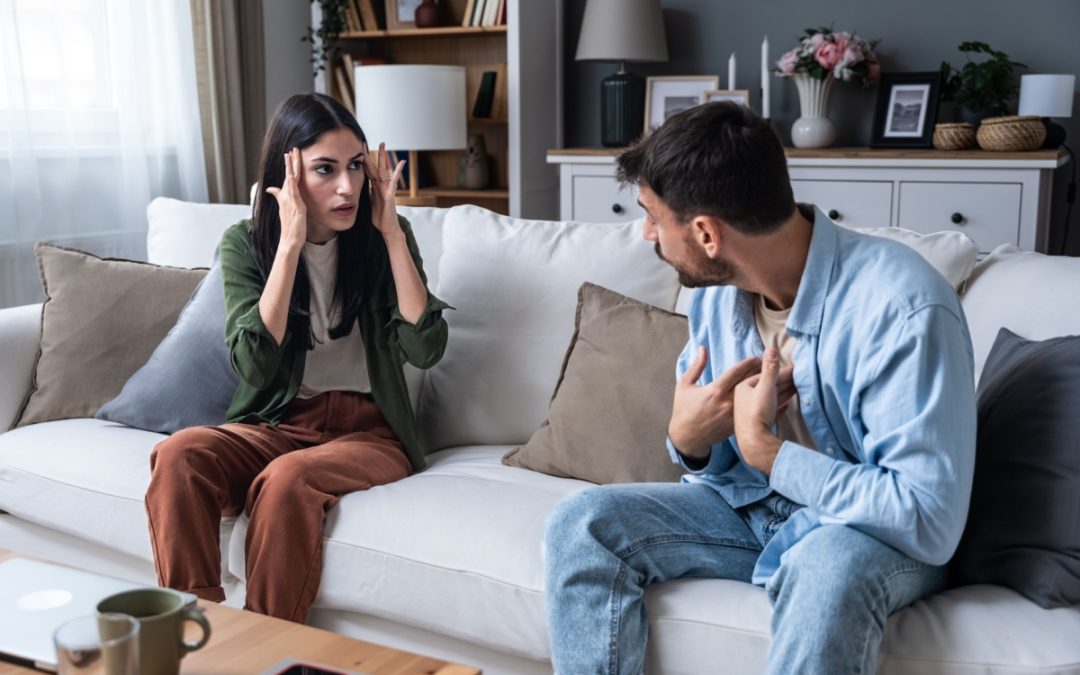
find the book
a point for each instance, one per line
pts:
(491, 10)
(352, 19)
(468, 13)
(501, 21)
(367, 13)
(354, 8)
(350, 70)
(344, 91)
(477, 13)
(485, 95)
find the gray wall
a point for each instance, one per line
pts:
(288, 70)
(916, 35)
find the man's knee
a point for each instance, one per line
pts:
(577, 517)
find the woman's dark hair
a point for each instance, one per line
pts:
(362, 258)
(719, 159)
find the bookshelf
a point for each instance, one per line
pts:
(522, 184)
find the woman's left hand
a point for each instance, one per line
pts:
(384, 189)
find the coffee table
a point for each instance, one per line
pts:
(246, 643)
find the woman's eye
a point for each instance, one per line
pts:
(324, 170)
(356, 165)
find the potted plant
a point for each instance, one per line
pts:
(980, 89)
(323, 38)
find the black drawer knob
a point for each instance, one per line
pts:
(834, 214)
(617, 208)
(957, 218)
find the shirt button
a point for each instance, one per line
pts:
(829, 451)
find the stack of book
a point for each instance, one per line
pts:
(485, 13)
(491, 95)
(360, 16)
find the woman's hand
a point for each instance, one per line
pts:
(292, 210)
(383, 189)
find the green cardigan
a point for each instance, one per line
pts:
(270, 374)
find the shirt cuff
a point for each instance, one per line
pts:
(799, 473)
(434, 306)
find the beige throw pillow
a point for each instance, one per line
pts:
(608, 417)
(101, 320)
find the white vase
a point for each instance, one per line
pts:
(813, 129)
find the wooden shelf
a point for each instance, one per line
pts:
(460, 193)
(856, 153)
(442, 31)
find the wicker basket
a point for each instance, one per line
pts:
(1011, 133)
(958, 136)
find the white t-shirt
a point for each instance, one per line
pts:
(334, 365)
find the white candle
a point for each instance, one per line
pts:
(731, 71)
(765, 78)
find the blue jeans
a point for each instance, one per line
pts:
(604, 545)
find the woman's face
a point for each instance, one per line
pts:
(330, 183)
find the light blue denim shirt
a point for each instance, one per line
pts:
(885, 376)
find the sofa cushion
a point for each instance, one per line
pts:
(1031, 294)
(514, 284)
(186, 234)
(952, 253)
(101, 320)
(612, 400)
(1023, 530)
(188, 380)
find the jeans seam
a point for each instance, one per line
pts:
(880, 600)
(642, 544)
(615, 604)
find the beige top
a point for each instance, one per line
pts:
(772, 327)
(334, 365)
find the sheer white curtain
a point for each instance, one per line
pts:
(98, 115)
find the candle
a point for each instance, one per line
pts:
(765, 78)
(731, 71)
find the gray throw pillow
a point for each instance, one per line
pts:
(188, 380)
(1023, 530)
(101, 320)
(607, 420)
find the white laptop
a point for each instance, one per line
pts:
(37, 597)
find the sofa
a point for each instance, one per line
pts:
(449, 562)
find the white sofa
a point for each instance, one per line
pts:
(449, 562)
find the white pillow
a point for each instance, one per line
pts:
(952, 253)
(185, 234)
(1031, 294)
(514, 283)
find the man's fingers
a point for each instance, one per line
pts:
(696, 368)
(737, 373)
(770, 369)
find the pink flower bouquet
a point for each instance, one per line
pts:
(822, 52)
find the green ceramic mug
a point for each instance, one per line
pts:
(161, 614)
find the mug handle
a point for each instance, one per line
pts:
(198, 617)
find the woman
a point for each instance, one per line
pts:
(325, 297)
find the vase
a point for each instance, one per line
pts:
(473, 165)
(813, 129)
(427, 14)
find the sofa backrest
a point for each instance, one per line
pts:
(1032, 294)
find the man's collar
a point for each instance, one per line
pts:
(806, 313)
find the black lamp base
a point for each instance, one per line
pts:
(1055, 134)
(622, 109)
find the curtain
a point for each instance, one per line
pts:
(229, 68)
(98, 115)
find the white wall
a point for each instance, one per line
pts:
(288, 69)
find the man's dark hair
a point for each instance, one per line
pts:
(719, 159)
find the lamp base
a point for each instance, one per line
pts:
(622, 109)
(1055, 134)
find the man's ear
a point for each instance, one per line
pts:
(709, 234)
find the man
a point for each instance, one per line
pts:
(824, 409)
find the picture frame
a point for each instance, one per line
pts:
(401, 14)
(906, 110)
(735, 95)
(670, 94)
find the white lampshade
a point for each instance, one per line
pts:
(622, 30)
(1047, 95)
(412, 107)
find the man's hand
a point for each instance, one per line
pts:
(757, 403)
(702, 415)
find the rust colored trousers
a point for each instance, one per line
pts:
(285, 478)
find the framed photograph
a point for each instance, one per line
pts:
(668, 95)
(734, 95)
(401, 14)
(906, 110)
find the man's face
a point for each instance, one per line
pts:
(675, 244)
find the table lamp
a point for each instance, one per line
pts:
(1048, 96)
(412, 107)
(622, 30)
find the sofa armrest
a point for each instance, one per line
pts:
(20, 333)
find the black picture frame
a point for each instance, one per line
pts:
(906, 110)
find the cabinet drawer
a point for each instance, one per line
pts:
(598, 199)
(989, 213)
(852, 203)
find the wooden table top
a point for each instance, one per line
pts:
(246, 643)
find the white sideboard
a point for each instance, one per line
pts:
(994, 198)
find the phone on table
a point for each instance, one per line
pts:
(305, 667)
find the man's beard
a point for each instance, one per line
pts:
(701, 271)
